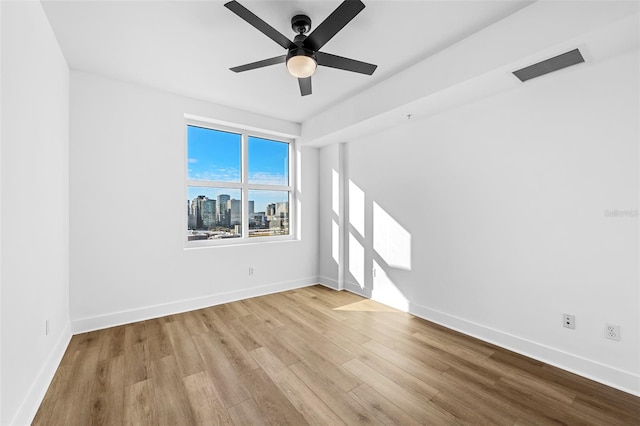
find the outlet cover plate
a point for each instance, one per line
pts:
(569, 321)
(612, 332)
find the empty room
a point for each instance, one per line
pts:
(319, 212)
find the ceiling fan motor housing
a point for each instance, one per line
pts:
(301, 24)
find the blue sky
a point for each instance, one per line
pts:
(215, 156)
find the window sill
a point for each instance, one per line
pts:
(205, 244)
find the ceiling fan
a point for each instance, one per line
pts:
(303, 54)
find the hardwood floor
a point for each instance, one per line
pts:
(313, 356)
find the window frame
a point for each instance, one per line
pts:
(244, 186)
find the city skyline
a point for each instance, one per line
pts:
(261, 198)
(209, 218)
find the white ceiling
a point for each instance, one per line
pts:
(186, 47)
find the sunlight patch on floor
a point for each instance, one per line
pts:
(366, 306)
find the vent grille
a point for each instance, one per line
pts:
(556, 63)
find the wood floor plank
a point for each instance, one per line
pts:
(525, 400)
(206, 403)
(240, 330)
(417, 369)
(247, 413)
(277, 409)
(273, 341)
(226, 341)
(112, 342)
(239, 309)
(135, 358)
(386, 412)
(107, 393)
(311, 299)
(307, 403)
(313, 356)
(193, 322)
(171, 406)
(481, 396)
(139, 408)
(86, 361)
(227, 379)
(419, 408)
(267, 317)
(348, 409)
(226, 313)
(272, 309)
(186, 353)
(392, 372)
(310, 355)
(158, 343)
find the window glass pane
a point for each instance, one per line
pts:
(213, 155)
(268, 162)
(213, 213)
(268, 213)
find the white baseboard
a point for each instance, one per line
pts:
(38, 389)
(355, 288)
(329, 282)
(605, 374)
(84, 325)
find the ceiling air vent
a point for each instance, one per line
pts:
(556, 63)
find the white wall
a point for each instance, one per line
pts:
(492, 218)
(127, 207)
(35, 209)
(330, 258)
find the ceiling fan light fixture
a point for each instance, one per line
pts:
(301, 64)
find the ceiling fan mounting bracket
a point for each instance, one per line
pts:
(301, 24)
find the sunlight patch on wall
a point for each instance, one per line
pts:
(298, 169)
(299, 216)
(335, 241)
(356, 260)
(356, 207)
(385, 290)
(390, 240)
(335, 192)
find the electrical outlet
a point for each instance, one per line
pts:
(251, 271)
(373, 272)
(569, 321)
(612, 332)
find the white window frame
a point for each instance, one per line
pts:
(244, 186)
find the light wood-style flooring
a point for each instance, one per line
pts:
(313, 356)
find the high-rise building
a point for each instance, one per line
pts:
(209, 213)
(277, 215)
(191, 216)
(196, 209)
(234, 208)
(221, 210)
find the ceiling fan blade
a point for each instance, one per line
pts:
(334, 23)
(259, 24)
(339, 62)
(260, 64)
(305, 86)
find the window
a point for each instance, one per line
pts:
(238, 185)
